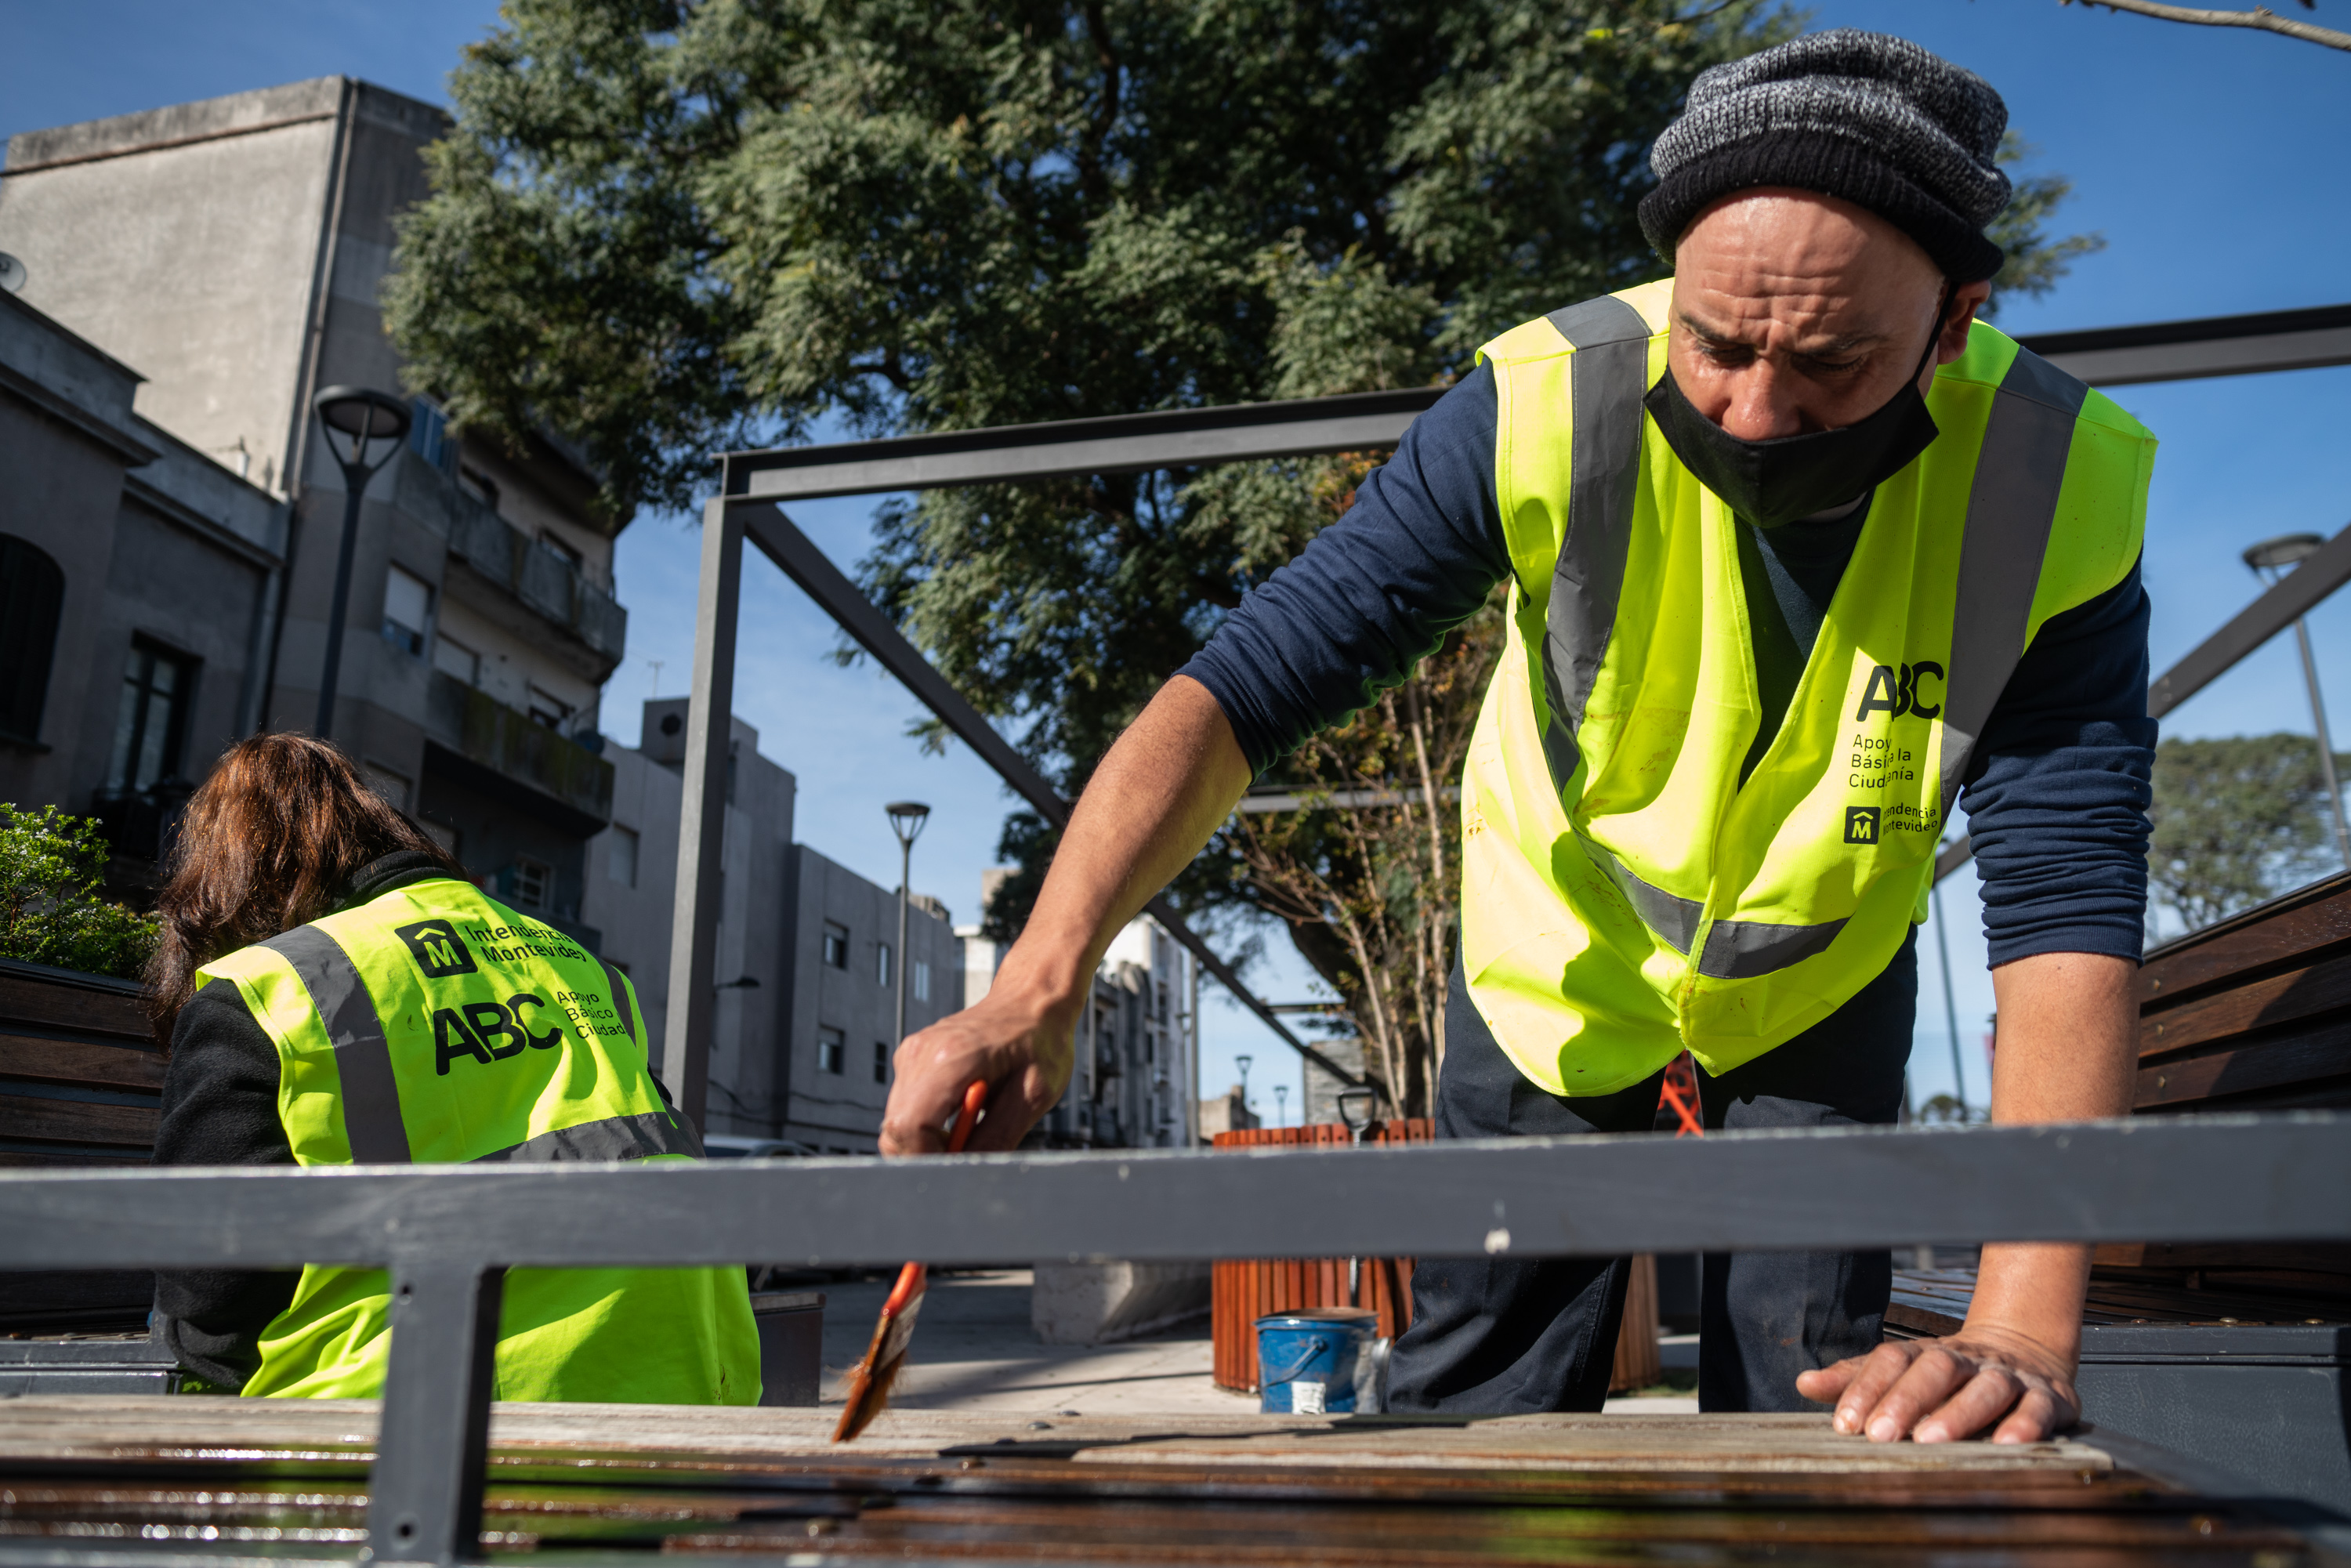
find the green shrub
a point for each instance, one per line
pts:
(51, 911)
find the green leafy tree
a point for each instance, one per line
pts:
(662, 227)
(2238, 821)
(52, 867)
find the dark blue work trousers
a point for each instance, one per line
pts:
(1509, 1336)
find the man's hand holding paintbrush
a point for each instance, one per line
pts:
(1150, 807)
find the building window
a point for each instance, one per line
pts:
(881, 1062)
(428, 435)
(836, 945)
(548, 709)
(151, 718)
(882, 963)
(452, 657)
(553, 542)
(32, 597)
(922, 978)
(832, 1047)
(623, 862)
(407, 611)
(533, 883)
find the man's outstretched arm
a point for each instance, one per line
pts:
(1175, 775)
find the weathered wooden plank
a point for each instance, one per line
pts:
(80, 1064)
(2302, 926)
(54, 1004)
(2321, 988)
(2324, 1053)
(52, 1428)
(77, 1121)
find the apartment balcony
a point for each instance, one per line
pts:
(521, 570)
(508, 754)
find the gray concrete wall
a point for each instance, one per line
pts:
(746, 1066)
(185, 240)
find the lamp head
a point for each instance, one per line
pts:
(1356, 1106)
(2281, 552)
(356, 418)
(1243, 1063)
(906, 819)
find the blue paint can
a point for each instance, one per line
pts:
(1307, 1361)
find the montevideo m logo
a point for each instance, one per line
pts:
(437, 948)
(1898, 689)
(1861, 824)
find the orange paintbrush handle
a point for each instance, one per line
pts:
(974, 1098)
(912, 1277)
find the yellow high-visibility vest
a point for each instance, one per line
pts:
(1624, 896)
(432, 1024)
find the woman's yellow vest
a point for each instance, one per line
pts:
(432, 1024)
(1625, 896)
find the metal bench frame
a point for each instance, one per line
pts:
(447, 1233)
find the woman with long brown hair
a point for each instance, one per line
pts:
(331, 989)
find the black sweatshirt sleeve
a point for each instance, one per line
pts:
(1374, 593)
(220, 1108)
(2058, 791)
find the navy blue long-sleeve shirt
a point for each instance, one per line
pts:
(2056, 793)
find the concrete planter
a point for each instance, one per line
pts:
(1103, 1303)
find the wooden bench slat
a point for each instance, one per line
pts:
(2281, 998)
(2325, 1052)
(2315, 918)
(48, 1003)
(77, 1121)
(80, 1064)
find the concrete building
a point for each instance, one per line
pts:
(842, 1003)
(1138, 1059)
(134, 573)
(232, 250)
(805, 954)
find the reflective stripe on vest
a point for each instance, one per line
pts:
(362, 1054)
(2019, 471)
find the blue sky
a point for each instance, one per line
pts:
(2210, 160)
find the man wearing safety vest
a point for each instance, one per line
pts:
(1799, 557)
(400, 1015)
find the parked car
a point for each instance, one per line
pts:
(728, 1146)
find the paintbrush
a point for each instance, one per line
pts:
(869, 1380)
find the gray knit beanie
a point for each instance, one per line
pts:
(1871, 119)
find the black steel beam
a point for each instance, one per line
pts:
(781, 542)
(2293, 596)
(2212, 346)
(2276, 1178)
(1119, 443)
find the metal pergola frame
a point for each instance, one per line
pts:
(754, 484)
(448, 1233)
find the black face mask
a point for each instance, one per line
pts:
(1772, 482)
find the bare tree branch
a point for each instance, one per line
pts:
(2260, 17)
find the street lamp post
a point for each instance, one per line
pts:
(1243, 1063)
(906, 819)
(361, 417)
(1281, 1105)
(2270, 559)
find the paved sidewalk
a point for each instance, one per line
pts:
(975, 1351)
